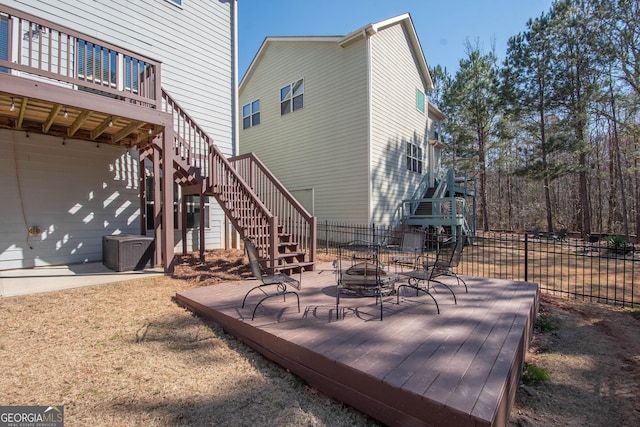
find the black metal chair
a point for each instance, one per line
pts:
(560, 235)
(279, 280)
(427, 272)
(447, 259)
(411, 246)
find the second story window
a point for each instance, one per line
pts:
(4, 41)
(437, 135)
(292, 97)
(251, 114)
(414, 157)
(420, 100)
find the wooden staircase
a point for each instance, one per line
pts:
(443, 207)
(425, 207)
(283, 231)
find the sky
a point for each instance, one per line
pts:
(443, 27)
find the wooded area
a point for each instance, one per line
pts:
(552, 134)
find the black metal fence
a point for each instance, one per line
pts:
(593, 269)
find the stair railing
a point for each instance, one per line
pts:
(250, 217)
(422, 187)
(293, 217)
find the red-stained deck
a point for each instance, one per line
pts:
(416, 367)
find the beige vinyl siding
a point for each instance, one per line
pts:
(323, 146)
(395, 120)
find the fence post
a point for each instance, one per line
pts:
(526, 257)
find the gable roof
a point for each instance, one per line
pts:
(366, 31)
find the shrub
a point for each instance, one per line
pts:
(618, 244)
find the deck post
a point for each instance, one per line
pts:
(183, 220)
(273, 241)
(157, 206)
(167, 200)
(201, 226)
(313, 225)
(142, 187)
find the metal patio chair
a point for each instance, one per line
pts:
(411, 246)
(272, 285)
(447, 258)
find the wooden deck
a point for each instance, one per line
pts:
(416, 367)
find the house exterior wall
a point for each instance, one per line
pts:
(75, 193)
(196, 47)
(395, 76)
(321, 149)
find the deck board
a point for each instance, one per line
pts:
(415, 367)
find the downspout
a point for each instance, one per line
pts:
(234, 102)
(369, 125)
(229, 233)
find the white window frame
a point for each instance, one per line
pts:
(414, 157)
(251, 115)
(289, 97)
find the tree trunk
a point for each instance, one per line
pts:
(483, 179)
(613, 189)
(616, 143)
(636, 174)
(547, 204)
(584, 199)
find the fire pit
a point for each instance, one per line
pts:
(362, 280)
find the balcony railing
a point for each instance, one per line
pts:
(36, 48)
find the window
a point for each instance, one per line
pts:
(251, 114)
(176, 2)
(436, 131)
(420, 100)
(4, 41)
(96, 64)
(193, 211)
(414, 157)
(292, 97)
(192, 202)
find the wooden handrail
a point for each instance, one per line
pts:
(295, 219)
(248, 214)
(46, 49)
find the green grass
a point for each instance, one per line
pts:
(533, 375)
(545, 326)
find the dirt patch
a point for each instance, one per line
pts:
(591, 353)
(126, 354)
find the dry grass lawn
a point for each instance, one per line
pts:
(125, 354)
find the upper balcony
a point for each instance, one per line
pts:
(58, 81)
